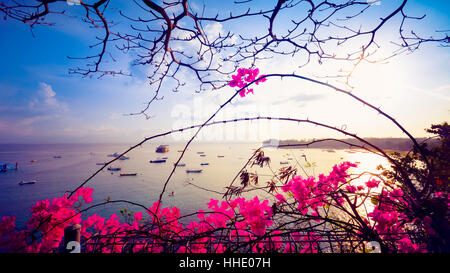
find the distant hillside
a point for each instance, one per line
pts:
(397, 144)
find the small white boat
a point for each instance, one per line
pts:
(27, 182)
(172, 193)
(158, 161)
(128, 174)
(162, 149)
(124, 157)
(194, 171)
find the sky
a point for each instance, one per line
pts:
(40, 102)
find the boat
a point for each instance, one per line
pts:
(194, 171)
(34, 160)
(290, 158)
(204, 164)
(220, 156)
(172, 193)
(202, 155)
(128, 174)
(162, 149)
(180, 151)
(164, 157)
(57, 156)
(114, 155)
(4, 167)
(27, 182)
(124, 157)
(112, 169)
(284, 163)
(158, 161)
(180, 165)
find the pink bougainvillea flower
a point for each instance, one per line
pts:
(372, 183)
(351, 188)
(396, 193)
(138, 216)
(280, 198)
(243, 77)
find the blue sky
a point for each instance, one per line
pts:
(41, 103)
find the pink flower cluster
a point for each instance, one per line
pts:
(312, 194)
(257, 214)
(243, 77)
(48, 219)
(390, 223)
(245, 220)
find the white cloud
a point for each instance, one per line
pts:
(213, 30)
(46, 100)
(31, 120)
(441, 92)
(46, 90)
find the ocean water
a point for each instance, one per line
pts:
(57, 176)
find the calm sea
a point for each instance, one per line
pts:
(56, 176)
